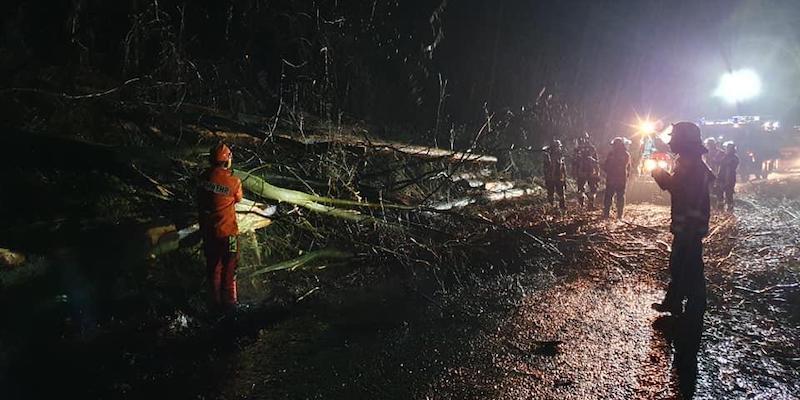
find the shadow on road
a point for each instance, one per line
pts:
(684, 333)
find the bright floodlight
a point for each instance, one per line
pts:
(738, 86)
(647, 127)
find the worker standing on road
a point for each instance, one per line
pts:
(586, 170)
(689, 186)
(217, 194)
(713, 159)
(555, 172)
(617, 168)
(726, 179)
(714, 155)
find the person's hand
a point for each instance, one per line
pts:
(658, 173)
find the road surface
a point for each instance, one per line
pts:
(574, 323)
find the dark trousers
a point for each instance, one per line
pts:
(556, 187)
(612, 191)
(592, 186)
(222, 254)
(687, 280)
(725, 198)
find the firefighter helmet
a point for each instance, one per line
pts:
(729, 146)
(620, 141)
(221, 153)
(686, 138)
(555, 146)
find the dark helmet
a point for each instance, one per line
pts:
(619, 142)
(686, 138)
(554, 146)
(730, 146)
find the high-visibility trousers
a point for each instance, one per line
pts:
(222, 255)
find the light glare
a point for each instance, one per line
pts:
(737, 86)
(666, 134)
(647, 127)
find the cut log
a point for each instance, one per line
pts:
(489, 196)
(394, 147)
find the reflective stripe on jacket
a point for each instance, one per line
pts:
(218, 191)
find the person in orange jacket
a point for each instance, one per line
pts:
(218, 192)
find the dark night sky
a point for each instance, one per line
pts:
(615, 58)
(608, 59)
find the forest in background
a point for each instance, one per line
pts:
(428, 71)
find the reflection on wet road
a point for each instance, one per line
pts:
(598, 323)
(571, 324)
(605, 342)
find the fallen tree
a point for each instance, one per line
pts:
(304, 261)
(250, 216)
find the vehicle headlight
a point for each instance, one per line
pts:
(650, 165)
(663, 164)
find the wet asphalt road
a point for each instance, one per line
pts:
(602, 330)
(582, 329)
(576, 326)
(589, 335)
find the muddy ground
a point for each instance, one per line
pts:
(573, 324)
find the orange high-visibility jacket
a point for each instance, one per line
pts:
(217, 194)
